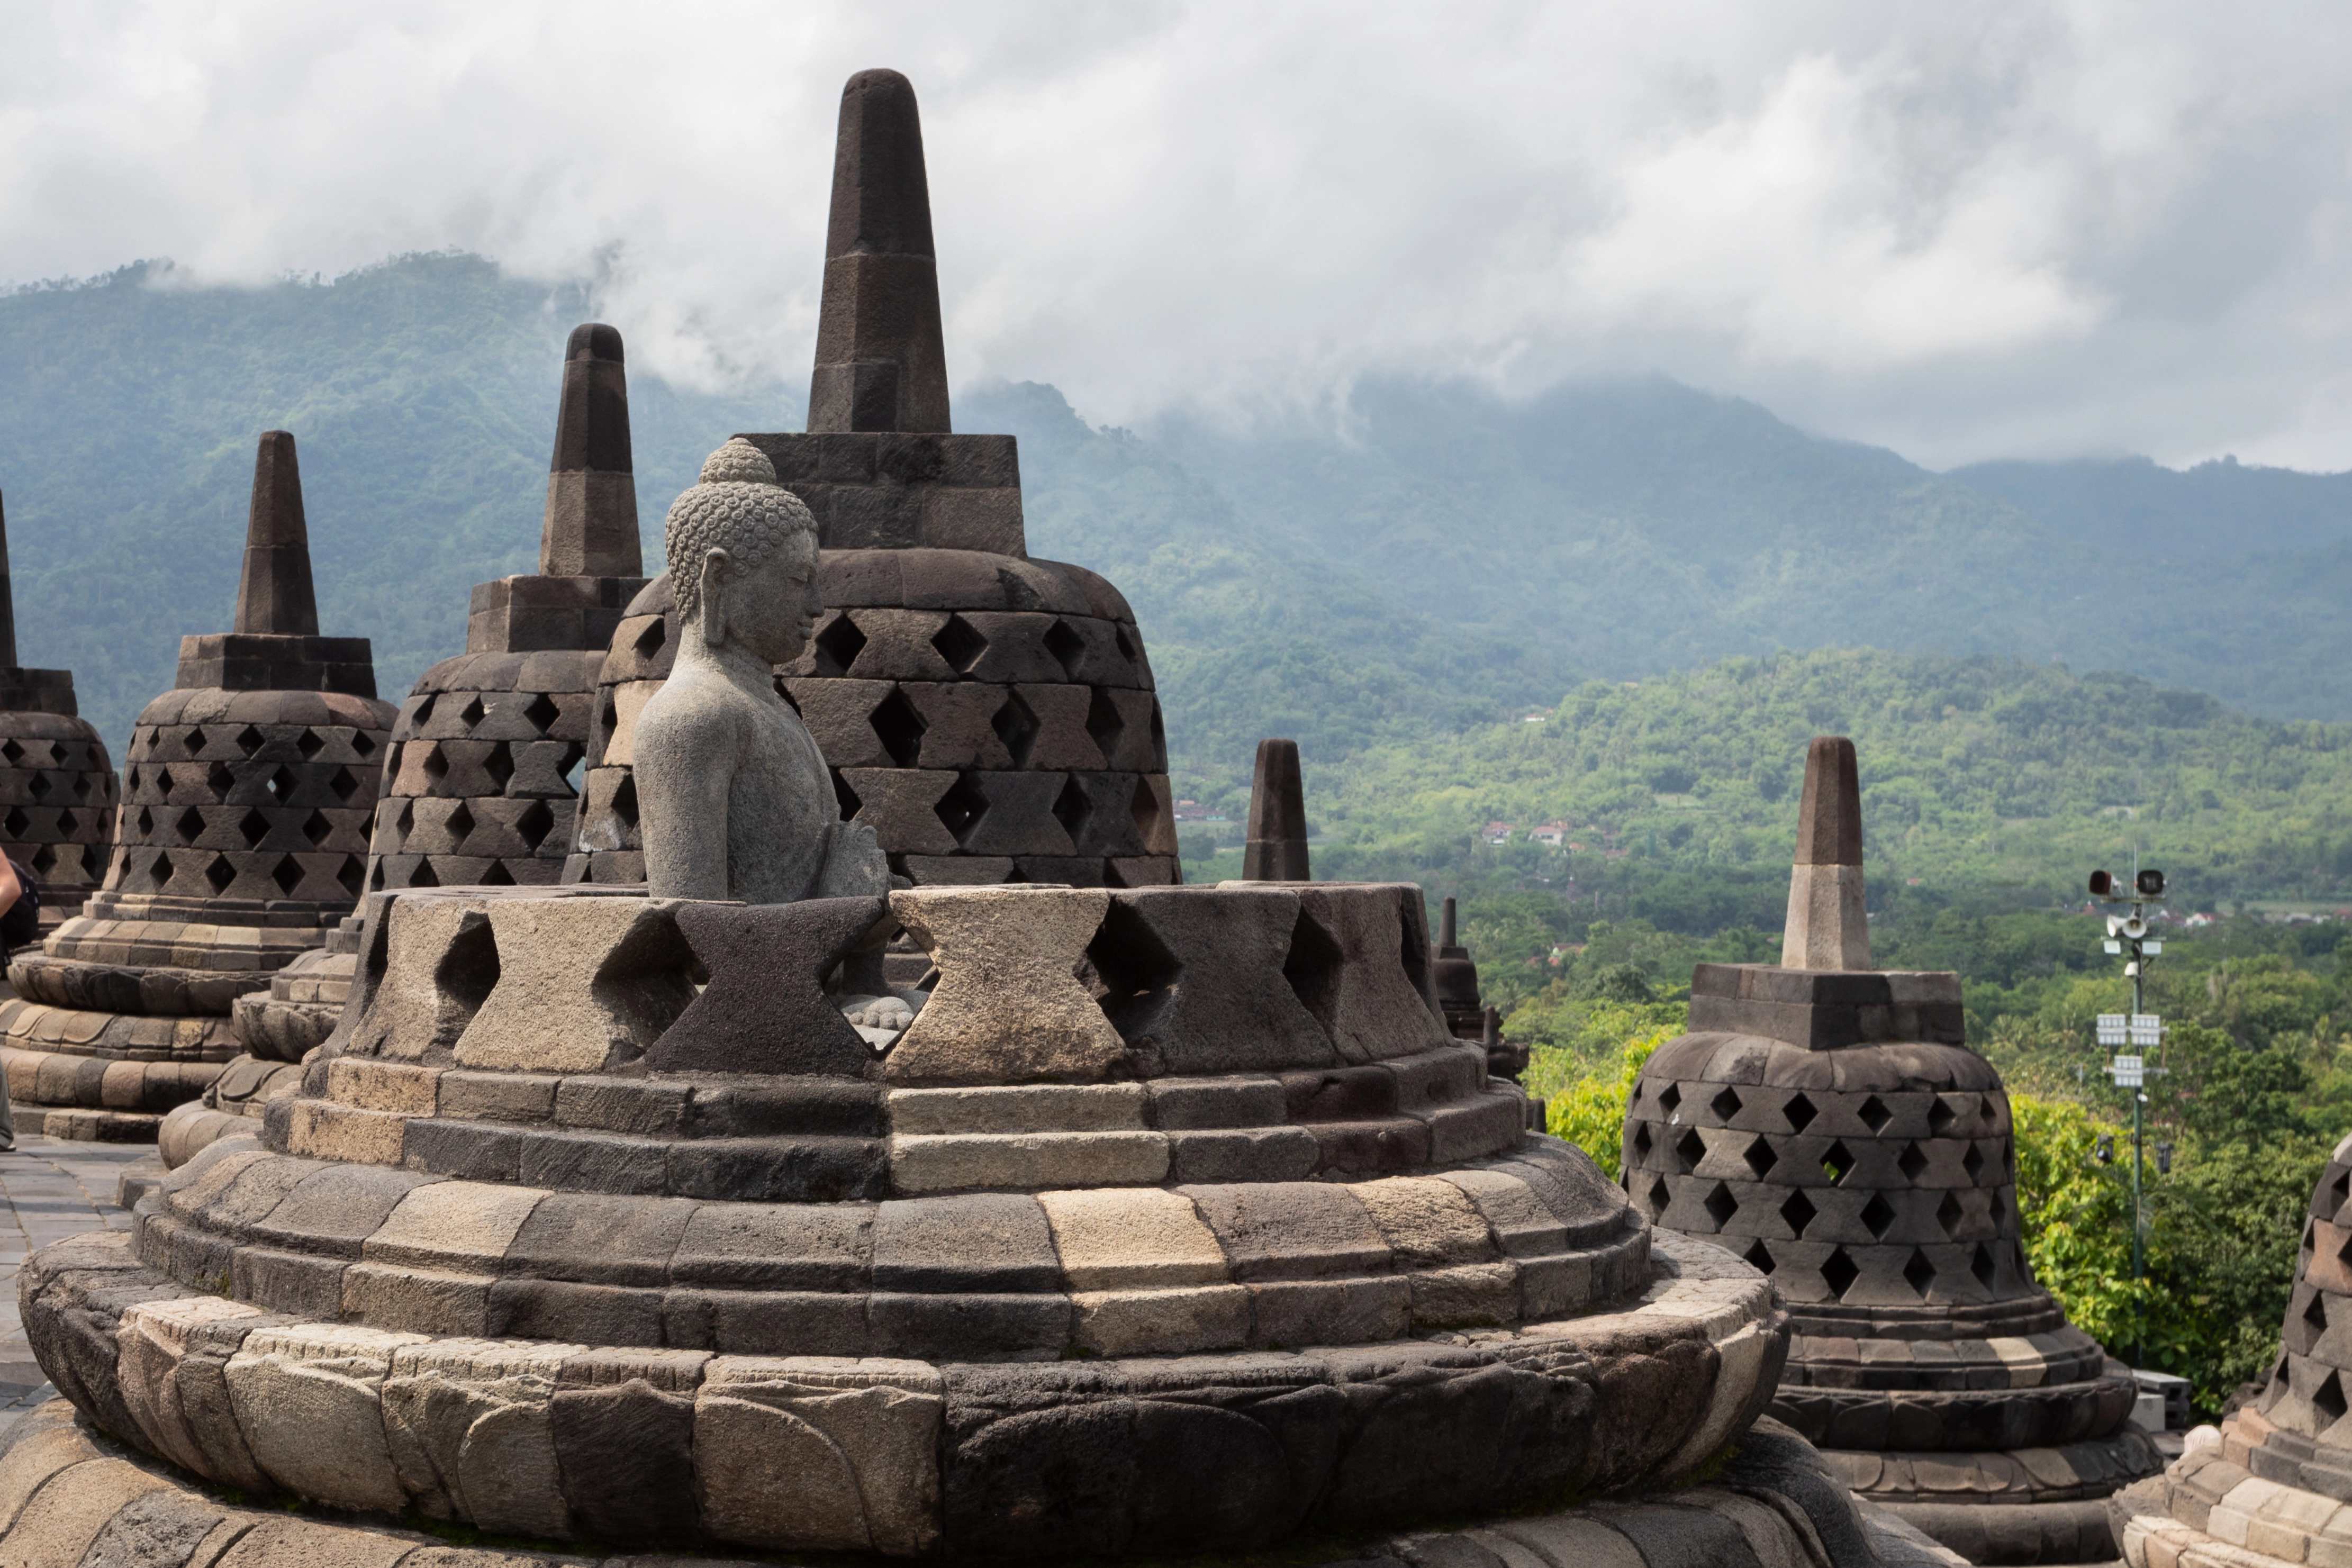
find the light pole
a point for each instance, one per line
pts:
(2141, 1030)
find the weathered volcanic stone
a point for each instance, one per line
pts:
(57, 783)
(1276, 850)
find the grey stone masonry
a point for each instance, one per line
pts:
(1276, 850)
(58, 786)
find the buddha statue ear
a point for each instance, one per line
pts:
(714, 596)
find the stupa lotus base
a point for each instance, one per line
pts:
(2244, 1502)
(70, 1495)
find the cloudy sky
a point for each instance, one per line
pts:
(1963, 231)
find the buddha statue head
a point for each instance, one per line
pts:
(742, 559)
(733, 795)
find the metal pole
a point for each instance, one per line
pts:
(2140, 1303)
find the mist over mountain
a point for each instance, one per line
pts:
(1428, 559)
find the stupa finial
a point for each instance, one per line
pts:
(274, 595)
(1277, 848)
(881, 363)
(1827, 929)
(8, 600)
(590, 526)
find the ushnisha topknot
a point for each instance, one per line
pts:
(738, 507)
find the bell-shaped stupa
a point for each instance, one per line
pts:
(991, 714)
(241, 841)
(57, 783)
(1828, 1122)
(2276, 1486)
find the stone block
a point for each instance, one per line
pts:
(1302, 1231)
(1007, 1005)
(1104, 1107)
(453, 1225)
(426, 969)
(1139, 1238)
(1345, 962)
(753, 1247)
(599, 1239)
(417, 1301)
(962, 1162)
(153, 1341)
(1172, 1321)
(622, 1423)
(471, 1150)
(764, 1008)
(62, 1521)
(308, 1400)
(596, 1162)
(816, 1454)
(334, 1208)
(1179, 1103)
(1038, 1459)
(779, 1169)
(584, 984)
(1196, 981)
(1247, 1154)
(471, 1435)
(1428, 1224)
(1288, 1314)
(319, 1129)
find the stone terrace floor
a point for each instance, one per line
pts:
(52, 1189)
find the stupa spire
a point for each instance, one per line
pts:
(881, 364)
(590, 526)
(1277, 848)
(274, 595)
(1827, 929)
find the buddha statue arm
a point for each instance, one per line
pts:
(683, 790)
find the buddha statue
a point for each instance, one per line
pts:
(734, 797)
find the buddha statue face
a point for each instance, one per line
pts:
(768, 608)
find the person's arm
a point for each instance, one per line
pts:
(11, 890)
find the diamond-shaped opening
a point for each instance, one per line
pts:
(2330, 1196)
(66, 824)
(535, 824)
(1720, 1205)
(287, 874)
(543, 710)
(353, 876)
(499, 766)
(461, 822)
(345, 784)
(471, 713)
(220, 873)
(253, 827)
(219, 781)
(835, 648)
(1134, 973)
(417, 720)
(436, 766)
(1067, 646)
(310, 744)
(423, 875)
(961, 808)
(649, 642)
(1659, 1196)
(1919, 1273)
(1836, 1160)
(81, 788)
(1725, 1104)
(497, 875)
(845, 797)
(162, 782)
(1800, 1111)
(90, 865)
(191, 824)
(146, 823)
(1690, 1149)
(1313, 967)
(1972, 1161)
(281, 784)
(1017, 727)
(1799, 1211)
(1669, 1097)
(898, 727)
(1875, 1113)
(1877, 1215)
(45, 859)
(361, 744)
(1980, 1264)
(1641, 1141)
(1125, 643)
(1996, 1211)
(1104, 725)
(1760, 1157)
(1071, 809)
(1911, 1162)
(2315, 1312)
(16, 822)
(1159, 738)
(12, 751)
(1757, 1257)
(1144, 807)
(2328, 1398)
(193, 742)
(1949, 1214)
(251, 740)
(40, 786)
(1839, 1272)
(960, 644)
(1940, 1116)
(316, 828)
(160, 868)
(624, 799)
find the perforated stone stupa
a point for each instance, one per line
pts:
(242, 840)
(1829, 1123)
(2276, 1486)
(57, 783)
(991, 714)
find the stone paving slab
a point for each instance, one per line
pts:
(50, 1188)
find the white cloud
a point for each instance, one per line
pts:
(2023, 228)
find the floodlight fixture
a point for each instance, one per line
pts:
(2102, 885)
